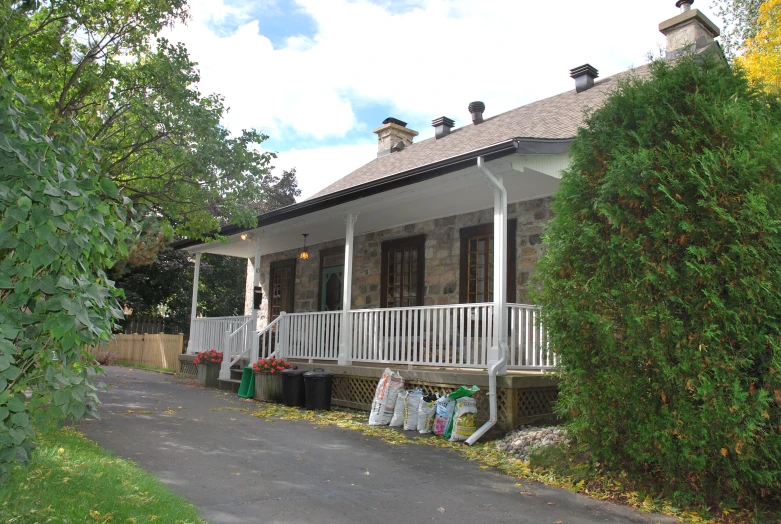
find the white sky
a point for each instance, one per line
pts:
(319, 91)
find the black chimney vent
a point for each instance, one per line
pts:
(685, 5)
(442, 126)
(391, 120)
(477, 108)
(584, 77)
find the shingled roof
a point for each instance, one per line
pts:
(557, 117)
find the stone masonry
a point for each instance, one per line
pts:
(442, 250)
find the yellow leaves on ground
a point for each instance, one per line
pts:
(762, 59)
(139, 412)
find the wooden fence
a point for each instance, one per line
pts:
(150, 350)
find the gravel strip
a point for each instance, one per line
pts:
(522, 441)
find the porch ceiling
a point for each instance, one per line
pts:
(526, 177)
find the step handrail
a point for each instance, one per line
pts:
(227, 358)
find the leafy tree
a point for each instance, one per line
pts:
(762, 57)
(739, 23)
(62, 221)
(137, 99)
(660, 287)
(278, 191)
(165, 281)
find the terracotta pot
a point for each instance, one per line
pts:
(208, 374)
(268, 387)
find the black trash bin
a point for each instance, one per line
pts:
(293, 393)
(318, 384)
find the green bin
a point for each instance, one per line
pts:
(247, 386)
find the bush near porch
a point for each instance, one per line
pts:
(660, 288)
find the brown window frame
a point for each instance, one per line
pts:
(291, 262)
(327, 252)
(418, 242)
(482, 230)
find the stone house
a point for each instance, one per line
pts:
(434, 242)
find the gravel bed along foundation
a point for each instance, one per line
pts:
(523, 440)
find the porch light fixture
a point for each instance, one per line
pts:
(304, 254)
(243, 236)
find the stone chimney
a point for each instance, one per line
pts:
(584, 77)
(393, 136)
(689, 31)
(442, 126)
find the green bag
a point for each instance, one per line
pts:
(463, 391)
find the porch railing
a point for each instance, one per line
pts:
(453, 336)
(209, 333)
(236, 344)
(312, 335)
(443, 336)
(527, 340)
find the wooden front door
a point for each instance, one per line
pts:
(282, 287)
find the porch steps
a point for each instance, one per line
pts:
(233, 383)
(229, 384)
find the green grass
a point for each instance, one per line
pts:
(72, 479)
(142, 366)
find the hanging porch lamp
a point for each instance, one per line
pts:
(304, 254)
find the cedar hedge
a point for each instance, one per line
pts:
(661, 287)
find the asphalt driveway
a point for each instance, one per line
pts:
(239, 468)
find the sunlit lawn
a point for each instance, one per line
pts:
(72, 479)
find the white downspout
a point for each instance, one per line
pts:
(194, 307)
(500, 294)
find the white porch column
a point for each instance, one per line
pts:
(253, 334)
(191, 346)
(345, 336)
(500, 267)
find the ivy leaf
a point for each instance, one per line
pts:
(15, 405)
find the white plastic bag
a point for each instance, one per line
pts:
(385, 398)
(426, 411)
(445, 408)
(398, 412)
(411, 410)
(464, 422)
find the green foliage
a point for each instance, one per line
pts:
(661, 283)
(61, 223)
(738, 23)
(137, 100)
(156, 278)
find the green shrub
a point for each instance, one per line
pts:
(62, 222)
(662, 283)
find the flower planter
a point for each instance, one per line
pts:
(268, 387)
(208, 374)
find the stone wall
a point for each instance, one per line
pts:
(441, 277)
